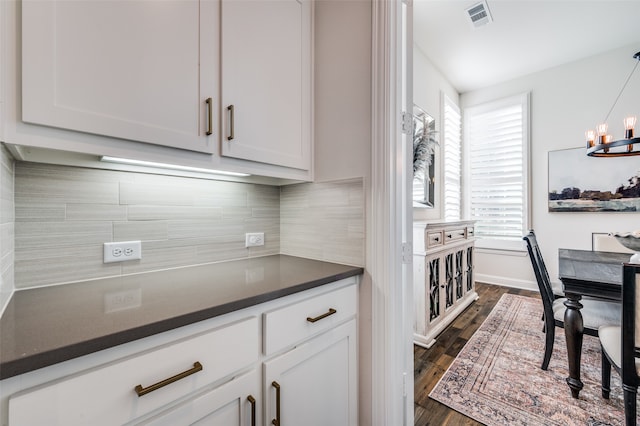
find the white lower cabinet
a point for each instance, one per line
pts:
(314, 384)
(217, 372)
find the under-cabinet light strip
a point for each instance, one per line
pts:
(168, 166)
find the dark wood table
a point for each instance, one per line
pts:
(586, 273)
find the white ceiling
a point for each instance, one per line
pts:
(525, 36)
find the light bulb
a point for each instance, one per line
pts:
(602, 129)
(590, 135)
(606, 139)
(629, 124)
(602, 132)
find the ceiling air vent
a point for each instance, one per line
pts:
(479, 14)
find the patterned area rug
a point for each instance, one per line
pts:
(496, 378)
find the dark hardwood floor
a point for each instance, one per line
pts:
(430, 364)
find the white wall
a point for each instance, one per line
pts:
(428, 86)
(342, 92)
(565, 101)
(342, 136)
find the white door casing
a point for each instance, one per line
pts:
(390, 227)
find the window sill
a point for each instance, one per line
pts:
(499, 247)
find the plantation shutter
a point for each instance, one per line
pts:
(452, 161)
(497, 137)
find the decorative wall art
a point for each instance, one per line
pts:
(424, 144)
(578, 183)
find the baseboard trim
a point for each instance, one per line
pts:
(507, 282)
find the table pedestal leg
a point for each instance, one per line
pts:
(573, 330)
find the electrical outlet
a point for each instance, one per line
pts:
(122, 251)
(254, 239)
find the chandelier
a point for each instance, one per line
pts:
(601, 144)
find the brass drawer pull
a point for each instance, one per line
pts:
(331, 312)
(252, 401)
(276, 421)
(232, 119)
(143, 391)
(209, 102)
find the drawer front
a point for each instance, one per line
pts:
(107, 395)
(453, 235)
(434, 239)
(470, 232)
(291, 324)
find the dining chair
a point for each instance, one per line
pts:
(620, 344)
(595, 313)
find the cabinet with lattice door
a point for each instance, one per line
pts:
(443, 278)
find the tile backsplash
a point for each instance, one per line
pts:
(64, 214)
(6, 225)
(324, 221)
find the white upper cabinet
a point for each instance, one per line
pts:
(124, 69)
(266, 81)
(153, 80)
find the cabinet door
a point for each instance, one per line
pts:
(234, 403)
(469, 279)
(266, 81)
(314, 384)
(449, 281)
(434, 286)
(459, 270)
(124, 69)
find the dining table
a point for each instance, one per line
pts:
(590, 273)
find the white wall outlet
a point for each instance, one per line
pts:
(121, 251)
(254, 239)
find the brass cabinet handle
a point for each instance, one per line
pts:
(209, 102)
(143, 391)
(252, 401)
(231, 122)
(331, 312)
(276, 421)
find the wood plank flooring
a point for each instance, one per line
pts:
(430, 364)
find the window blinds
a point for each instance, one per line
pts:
(497, 144)
(452, 161)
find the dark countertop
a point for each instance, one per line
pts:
(48, 325)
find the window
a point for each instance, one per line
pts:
(496, 142)
(452, 160)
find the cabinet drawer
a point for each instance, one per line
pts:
(294, 323)
(434, 239)
(107, 395)
(452, 235)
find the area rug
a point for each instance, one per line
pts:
(496, 378)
